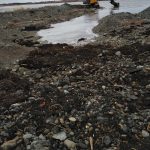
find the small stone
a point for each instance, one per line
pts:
(100, 55)
(49, 120)
(46, 131)
(27, 136)
(40, 145)
(103, 87)
(124, 136)
(71, 133)
(28, 147)
(124, 128)
(11, 144)
(107, 140)
(66, 92)
(70, 144)
(148, 86)
(60, 136)
(118, 53)
(145, 133)
(41, 137)
(72, 119)
(56, 121)
(61, 120)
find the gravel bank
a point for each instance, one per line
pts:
(124, 29)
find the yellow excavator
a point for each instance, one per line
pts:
(91, 3)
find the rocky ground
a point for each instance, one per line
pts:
(91, 97)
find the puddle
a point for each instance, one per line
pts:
(71, 31)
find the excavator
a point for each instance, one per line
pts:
(91, 3)
(95, 4)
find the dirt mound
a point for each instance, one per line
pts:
(12, 88)
(53, 56)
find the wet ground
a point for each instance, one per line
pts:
(81, 28)
(19, 28)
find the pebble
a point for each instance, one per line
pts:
(72, 119)
(70, 144)
(27, 136)
(66, 92)
(148, 86)
(61, 120)
(60, 136)
(71, 133)
(107, 140)
(40, 145)
(118, 53)
(103, 87)
(41, 137)
(145, 133)
(124, 128)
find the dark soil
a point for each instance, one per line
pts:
(12, 88)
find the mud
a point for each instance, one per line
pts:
(12, 88)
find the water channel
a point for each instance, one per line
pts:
(71, 31)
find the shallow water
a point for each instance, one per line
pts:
(71, 31)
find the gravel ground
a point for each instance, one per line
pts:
(74, 98)
(124, 29)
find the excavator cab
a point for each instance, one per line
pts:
(91, 3)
